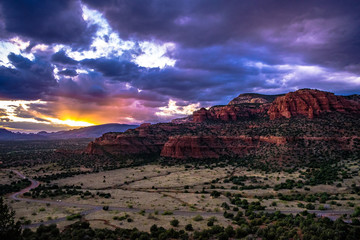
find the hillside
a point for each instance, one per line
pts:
(88, 132)
(281, 131)
(8, 135)
(85, 132)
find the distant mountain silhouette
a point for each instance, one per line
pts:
(85, 132)
(8, 135)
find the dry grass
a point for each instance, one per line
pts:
(6, 177)
(144, 222)
(38, 212)
(116, 177)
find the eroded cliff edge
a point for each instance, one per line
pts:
(275, 127)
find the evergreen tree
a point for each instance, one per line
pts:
(9, 229)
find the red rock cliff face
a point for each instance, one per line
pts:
(141, 140)
(214, 146)
(126, 144)
(244, 105)
(164, 140)
(310, 103)
(217, 132)
(146, 139)
(228, 113)
(201, 147)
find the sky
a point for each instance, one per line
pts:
(73, 63)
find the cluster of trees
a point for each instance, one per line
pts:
(236, 200)
(250, 187)
(82, 230)
(289, 184)
(255, 225)
(43, 191)
(56, 176)
(30, 153)
(325, 174)
(321, 197)
(14, 186)
(237, 180)
(278, 226)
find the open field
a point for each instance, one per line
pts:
(116, 177)
(30, 213)
(147, 191)
(144, 221)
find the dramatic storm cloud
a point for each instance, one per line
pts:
(47, 21)
(80, 62)
(28, 79)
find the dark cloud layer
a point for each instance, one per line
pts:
(20, 111)
(47, 21)
(61, 57)
(68, 72)
(221, 49)
(29, 80)
(120, 69)
(217, 40)
(322, 31)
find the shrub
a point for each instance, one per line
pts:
(215, 194)
(310, 206)
(322, 208)
(198, 218)
(189, 227)
(357, 212)
(73, 216)
(174, 222)
(167, 213)
(301, 205)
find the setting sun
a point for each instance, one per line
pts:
(71, 123)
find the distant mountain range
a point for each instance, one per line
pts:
(85, 132)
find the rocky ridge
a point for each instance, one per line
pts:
(247, 129)
(253, 98)
(310, 103)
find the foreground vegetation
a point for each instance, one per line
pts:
(259, 225)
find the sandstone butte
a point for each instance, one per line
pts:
(310, 103)
(219, 130)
